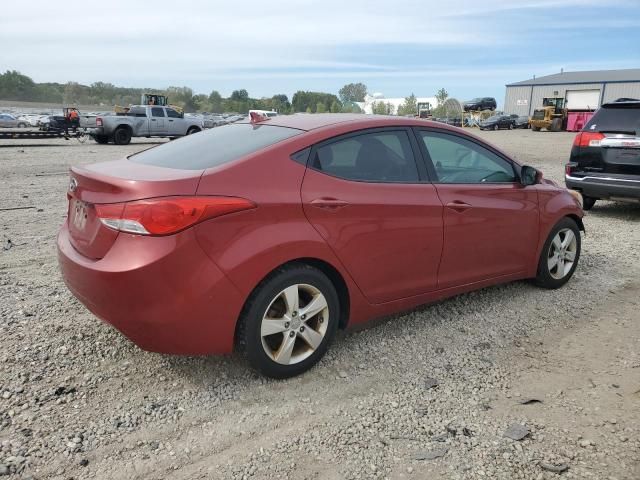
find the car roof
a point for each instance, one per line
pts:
(313, 121)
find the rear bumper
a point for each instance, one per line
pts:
(604, 186)
(163, 293)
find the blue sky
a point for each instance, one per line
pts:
(470, 47)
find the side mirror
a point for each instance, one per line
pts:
(529, 175)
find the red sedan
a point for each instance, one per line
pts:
(268, 236)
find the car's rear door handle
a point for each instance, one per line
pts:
(458, 205)
(328, 203)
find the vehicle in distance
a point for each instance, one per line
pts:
(9, 121)
(143, 121)
(496, 122)
(266, 113)
(520, 121)
(480, 103)
(269, 236)
(605, 157)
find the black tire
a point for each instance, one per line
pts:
(122, 136)
(193, 130)
(556, 125)
(588, 202)
(22, 125)
(101, 139)
(265, 295)
(544, 277)
(534, 128)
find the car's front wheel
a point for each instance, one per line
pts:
(560, 255)
(289, 321)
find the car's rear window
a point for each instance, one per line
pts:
(214, 147)
(616, 119)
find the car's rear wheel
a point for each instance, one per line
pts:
(534, 128)
(289, 321)
(560, 255)
(193, 130)
(122, 136)
(588, 202)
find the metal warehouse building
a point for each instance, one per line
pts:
(581, 90)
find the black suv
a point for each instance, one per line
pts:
(605, 157)
(481, 103)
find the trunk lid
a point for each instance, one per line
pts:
(115, 182)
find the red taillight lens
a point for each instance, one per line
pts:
(588, 139)
(98, 122)
(167, 215)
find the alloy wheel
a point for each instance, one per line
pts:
(562, 253)
(294, 324)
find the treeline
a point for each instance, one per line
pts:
(19, 87)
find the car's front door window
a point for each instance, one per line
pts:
(458, 160)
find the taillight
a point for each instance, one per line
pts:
(167, 215)
(588, 139)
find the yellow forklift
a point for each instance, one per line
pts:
(150, 99)
(552, 116)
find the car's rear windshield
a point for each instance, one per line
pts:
(621, 118)
(214, 147)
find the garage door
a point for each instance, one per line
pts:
(583, 99)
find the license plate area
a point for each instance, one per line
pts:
(79, 214)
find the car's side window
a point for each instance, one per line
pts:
(384, 156)
(157, 112)
(171, 113)
(458, 160)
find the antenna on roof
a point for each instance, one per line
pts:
(562, 70)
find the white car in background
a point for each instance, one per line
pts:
(10, 121)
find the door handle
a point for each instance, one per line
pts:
(328, 203)
(458, 205)
(171, 120)
(153, 119)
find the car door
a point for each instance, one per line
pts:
(364, 195)
(157, 125)
(490, 219)
(5, 121)
(175, 124)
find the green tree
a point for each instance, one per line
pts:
(239, 95)
(320, 108)
(335, 107)
(381, 108)
(441, 96)
(409, 107)
(215, 101)
(15, 86)
(353, 92)
(308, 110)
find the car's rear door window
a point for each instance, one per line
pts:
(214, 147)
(157, 112)
(384, 156)
(458, 160)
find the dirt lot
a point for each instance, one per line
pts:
(77, 400)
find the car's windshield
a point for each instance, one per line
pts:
(214, 147)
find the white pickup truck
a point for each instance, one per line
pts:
(143, 121)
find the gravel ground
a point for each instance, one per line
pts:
(435, 393)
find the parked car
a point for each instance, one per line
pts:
(605, 157)
(269, 236)
(144, 121)
(480, 103)
(9, 121)
(455, 122)
(520, 121)
(496, 122)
